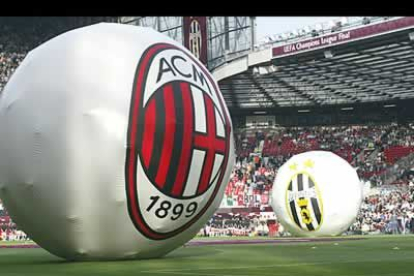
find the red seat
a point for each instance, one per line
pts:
(392, 154)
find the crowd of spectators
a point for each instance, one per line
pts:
(260, 154)
(8, 229)
(8, 63)
(367, 148)
(19, 35)
(15, 43)
(249, 184)
(11, 55)
(370, 149)
(389, 211)
(242, 224)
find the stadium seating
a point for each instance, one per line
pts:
(396, 152)
(256, 166)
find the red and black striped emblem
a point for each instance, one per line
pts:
(178, 142)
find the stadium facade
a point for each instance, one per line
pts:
(345, 72)
(226, 37)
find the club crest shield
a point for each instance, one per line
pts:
(303, 202)
(177, 144)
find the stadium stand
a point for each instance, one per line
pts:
(381, 153)
(366, 147)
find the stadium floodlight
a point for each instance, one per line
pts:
(259, 112)
(347, 108)
(389, 105)
(319, 27)
(335, 25)
(366, 20)
(314, 33)
(272, 68)
(303, 110)
(264, 70)
(328, 54)
(411, 36)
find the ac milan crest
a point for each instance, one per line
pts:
(178, 142)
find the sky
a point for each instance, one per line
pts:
(277, 25)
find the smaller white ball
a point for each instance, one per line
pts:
(316, 193)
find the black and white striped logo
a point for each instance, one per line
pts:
(304, 202)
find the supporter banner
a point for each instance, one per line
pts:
(236, 210)
(345, 36)
(195, 36)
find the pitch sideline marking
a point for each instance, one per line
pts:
(196, 273)
(209, 274)
(264, 266)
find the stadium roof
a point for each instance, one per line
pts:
(364, 67)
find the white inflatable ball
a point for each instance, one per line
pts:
(316, 193)
(115, 143)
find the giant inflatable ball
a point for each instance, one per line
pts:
(115, 143)
(315, 194)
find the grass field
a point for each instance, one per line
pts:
(379, 256)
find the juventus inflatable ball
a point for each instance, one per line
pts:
(115, 143)
(316, 193)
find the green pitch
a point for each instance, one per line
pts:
(376, 256)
